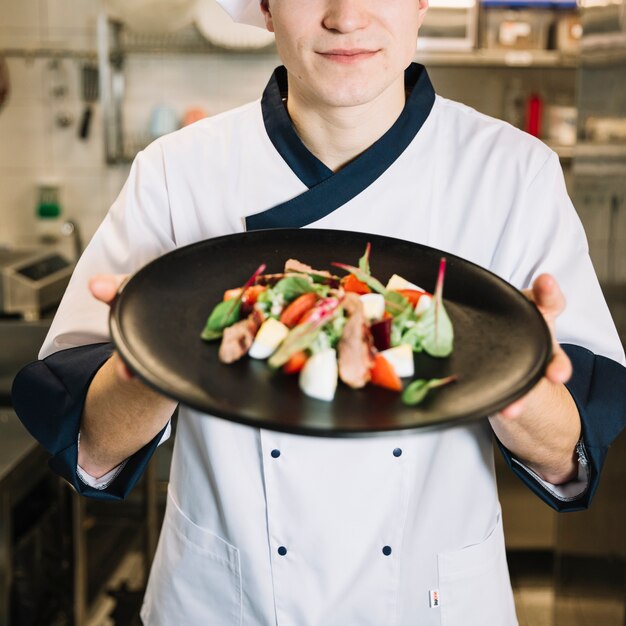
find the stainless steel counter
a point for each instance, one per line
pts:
(22, 466)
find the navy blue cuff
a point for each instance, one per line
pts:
(48, 397)
(598, 387)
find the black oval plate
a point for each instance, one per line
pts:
(502, 344)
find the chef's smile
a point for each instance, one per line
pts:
(348, 55)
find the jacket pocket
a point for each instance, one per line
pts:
(195, 578)
(474, 585)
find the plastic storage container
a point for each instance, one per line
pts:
(509, 26)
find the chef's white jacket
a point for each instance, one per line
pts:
(267, 528)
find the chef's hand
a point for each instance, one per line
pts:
(104, 287)
(549, 299)
(121, 414)
(542, 428)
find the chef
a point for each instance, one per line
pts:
(268, 528)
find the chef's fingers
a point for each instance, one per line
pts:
(120, 367)
(548, 297)
(515, 409)
(559, 368)
(550, 301)
(104, 287)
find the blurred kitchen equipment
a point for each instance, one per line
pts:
(568, 32)
(5, 83)
(163, 120)
(48, 211)
(31, 281)
(59, 92)
(157, 16)
(561, 122)
(534, 113)
(514, 102)
(603, 24)
(70, 229)
(515, 26)
(194, 114)
(220, 29)
(451, 25)
(605, 129)
(90, 78)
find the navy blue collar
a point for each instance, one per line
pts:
(329, 190)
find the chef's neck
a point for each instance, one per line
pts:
(336, 135)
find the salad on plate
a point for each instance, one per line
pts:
(328, 329)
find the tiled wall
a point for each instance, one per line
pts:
(34, 148)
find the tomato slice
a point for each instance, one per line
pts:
(412, 295)
(295, 363)
(231, 294)
(383, 374)
(296, 309)
(251, 294)
(353, 284)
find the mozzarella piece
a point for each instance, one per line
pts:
(268, 338)
(401, 359)
(397, 282)
(423, 303)
(373, 305)
(318, 377)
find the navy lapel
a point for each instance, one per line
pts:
(327, 190)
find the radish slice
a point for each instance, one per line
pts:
(373, 305)
(397, 282)
(268, 338)
(422, 304)
(318, 378)
(401, 359)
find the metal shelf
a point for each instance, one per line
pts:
(185, 41)
(50, 52)
(604, 56)
(498, 58)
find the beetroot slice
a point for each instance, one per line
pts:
(381, 333)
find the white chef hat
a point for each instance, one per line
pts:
(244, 11)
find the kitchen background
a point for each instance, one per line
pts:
(556, 69)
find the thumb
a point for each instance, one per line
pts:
(548, 296)
(104, 287)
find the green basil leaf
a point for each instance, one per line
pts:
(412, 337)
(436, 330)
(416, 391)
(293, 286)
(223, 315)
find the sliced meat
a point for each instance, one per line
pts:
(355, 346)
(268, 279)
(293, 265)
(238, 338)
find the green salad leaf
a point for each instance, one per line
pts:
(364, 261)
(416, 391)
(434, 325)
(293, 286)
(223, 315)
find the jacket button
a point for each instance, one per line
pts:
(275, 453)
(282, 550)
(397, 452)
(387, 550)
